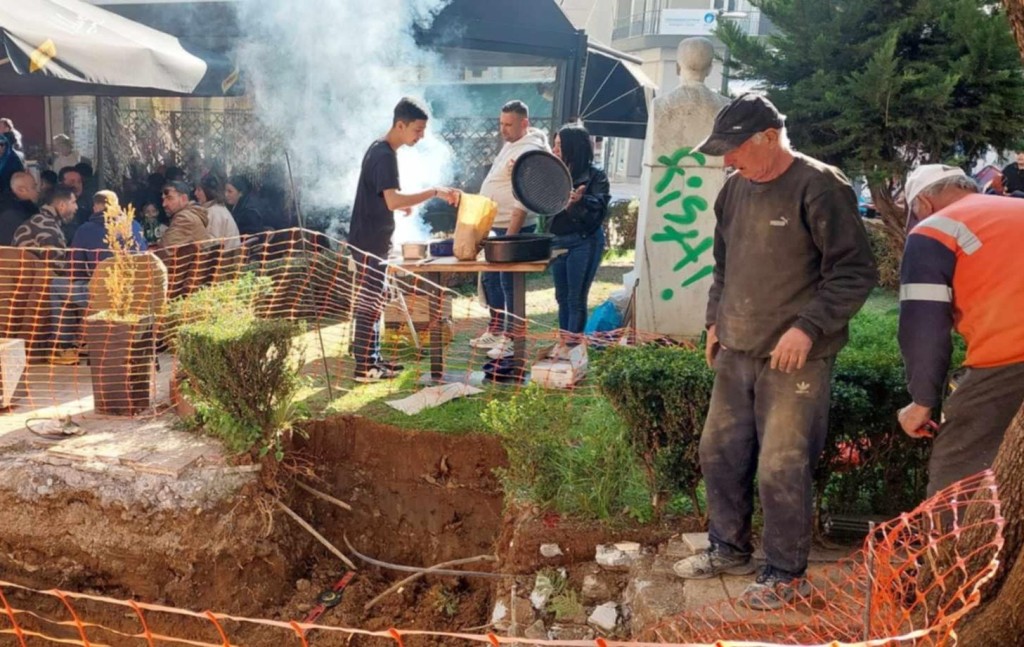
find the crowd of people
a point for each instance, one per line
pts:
(59, 217)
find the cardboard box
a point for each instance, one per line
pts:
(12, 366)
(419, 309)
(560, 373)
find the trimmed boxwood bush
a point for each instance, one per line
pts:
(662, 394)
(242, 377)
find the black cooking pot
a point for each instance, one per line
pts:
(442, 247)
(518, 248)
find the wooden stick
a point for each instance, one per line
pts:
(326, 497)
(426, 571)
(331, 547)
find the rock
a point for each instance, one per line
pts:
(522, 613)
(596, 588)
(303, 585)
(571, 632)
(675, 548)
(631, 548)
(550, 550)
(536, 631)
(605, 617)
(500, 613)
(304, 608)
(613, 559)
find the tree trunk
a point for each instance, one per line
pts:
(1015, 15)
(999, 620)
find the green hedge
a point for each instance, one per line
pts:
(662, 394)
(241, 377)
(869, 465)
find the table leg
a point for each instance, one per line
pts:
(519, 323)
(434, 310)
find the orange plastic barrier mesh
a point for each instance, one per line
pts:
(915, 578)
(65, 355)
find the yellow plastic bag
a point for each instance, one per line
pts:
(473, 224)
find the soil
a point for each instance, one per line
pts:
(418, 498)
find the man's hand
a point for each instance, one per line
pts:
(405, 211)
(914, 419)
(448, 194)
(790, 353)
(712, 346)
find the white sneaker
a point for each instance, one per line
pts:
(489, 340)
(501, 350)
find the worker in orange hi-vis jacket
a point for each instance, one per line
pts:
(963, 267)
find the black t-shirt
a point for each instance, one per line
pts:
(372, 221)
(1013, 178)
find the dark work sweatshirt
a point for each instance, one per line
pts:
(792, 252)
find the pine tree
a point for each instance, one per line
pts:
(878, 86)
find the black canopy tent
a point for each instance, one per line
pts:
(70, 47)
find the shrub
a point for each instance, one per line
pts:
(238, 297)
(887, 257)
(662, 394)
(241, 378)
(621, 223)
(567, 452)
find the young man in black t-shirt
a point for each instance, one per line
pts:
(378, 196)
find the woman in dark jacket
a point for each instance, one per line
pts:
(578, 230)
(238, 194)
(11, 162)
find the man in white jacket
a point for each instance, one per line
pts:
(512, 218)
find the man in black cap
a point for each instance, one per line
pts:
(792, 266)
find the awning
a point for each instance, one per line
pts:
(616, 94)
(69, 47)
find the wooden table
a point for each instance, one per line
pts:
(432, 269)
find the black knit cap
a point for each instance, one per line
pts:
(744, 117)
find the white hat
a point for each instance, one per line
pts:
(926, 175)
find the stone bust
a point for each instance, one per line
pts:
(693, 60)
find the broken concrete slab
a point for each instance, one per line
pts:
(605, 617)
(614, 559)
(653, 603)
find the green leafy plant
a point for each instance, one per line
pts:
(565, 604)
(446, 601)
(662, 394)
(569, 453)
(242, 378)
(238, 297)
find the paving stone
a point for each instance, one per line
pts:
(654, 600)
(696, 542)
(698, 594)
(675, 548)
(605, 617)
(818, 555)
(662, 565)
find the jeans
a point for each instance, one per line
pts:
(773, 424)
(573, 273)
(369, 305)
(67, 322)
(498, 289)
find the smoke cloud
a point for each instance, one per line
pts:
(325, 76)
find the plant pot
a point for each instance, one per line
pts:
(122, 361)
(182, 407)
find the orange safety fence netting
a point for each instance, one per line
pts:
(63, 354)
(910, 584)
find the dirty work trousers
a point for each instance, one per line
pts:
(974, 419)
(770, 424)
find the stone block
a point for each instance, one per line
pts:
(613, 559)
(655, 601)
(605, 617)
(696, 542)
(12, 366)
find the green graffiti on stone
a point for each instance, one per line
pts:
(681, 213)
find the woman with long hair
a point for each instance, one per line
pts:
(12, 134)
(238, 194)
(221, 225)
(578, 230)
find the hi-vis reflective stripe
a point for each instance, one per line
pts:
(926, 292)
(958, 230)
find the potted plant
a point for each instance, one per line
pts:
(120, 338)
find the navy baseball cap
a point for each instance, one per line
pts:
(744, 117)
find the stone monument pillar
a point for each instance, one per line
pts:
(675, 232)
